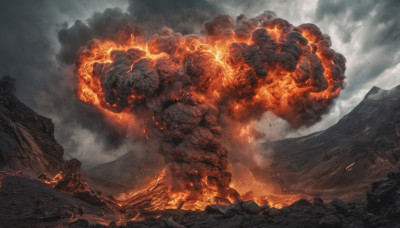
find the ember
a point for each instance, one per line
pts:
(183, 91)
(53, 181)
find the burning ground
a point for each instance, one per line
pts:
(195, 95)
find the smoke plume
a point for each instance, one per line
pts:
(184, 92)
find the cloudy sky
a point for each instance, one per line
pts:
(40, 39)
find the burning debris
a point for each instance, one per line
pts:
(181, 92)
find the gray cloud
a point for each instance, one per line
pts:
(372, 25)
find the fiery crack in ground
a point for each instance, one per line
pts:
(185, 92)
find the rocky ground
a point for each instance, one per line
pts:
(382, 209)
(26, 202)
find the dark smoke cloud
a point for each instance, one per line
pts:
(366, 32)
(165, 90)
(145, 17)
(29, 44)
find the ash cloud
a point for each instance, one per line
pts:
(172, 95)
(28, 50)
(144, 17)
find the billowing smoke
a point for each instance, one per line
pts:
(184, 92)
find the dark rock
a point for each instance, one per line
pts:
(300, 204)
(217, 209)
(112, 225)
(226, 210)
(271, 212)
(369, 218)
(329, 221)
(26, 138)
(89, 198)
(232, 222)
(169, 222)
(250, 207)
(382, 193)
(97, 226)
(340, 205)
(318, 201)
(80, 223)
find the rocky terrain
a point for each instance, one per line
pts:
(25, 202)
(26, 138)
(345, 158)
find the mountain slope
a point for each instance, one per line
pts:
(362, 146)
(126, 172)
(26, 138)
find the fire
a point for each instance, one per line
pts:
(162, 196)
(178, 90)
(276, 95)
(54, 181)
(349, 167)
(245, 133)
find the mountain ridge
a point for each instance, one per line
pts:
(364, 145)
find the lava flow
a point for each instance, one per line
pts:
(183, 92)
(53, 181)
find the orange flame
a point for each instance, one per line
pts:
(54, 181)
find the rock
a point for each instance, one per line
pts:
(382, 193)
(340, 205)
(369, 218)
(226, 210)
(112, 225)
(233, 222)
(301, 204)
(80, 223)
(89, 198)
(271, 212)
(217, 209)
(97, 226)
(250, 207)
(72, 180)
(329, 221)
(169, 222)
(26, 138)
(318, 201)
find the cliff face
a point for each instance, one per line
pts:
(26, 138)
(362, 146)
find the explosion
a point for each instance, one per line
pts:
(182, 91)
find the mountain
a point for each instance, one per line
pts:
(363, 146)
(26, 138)
(126, 172)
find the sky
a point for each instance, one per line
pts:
(40, 40)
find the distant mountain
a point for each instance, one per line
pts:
(26, 138)
(125, 173)
(363, 146)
